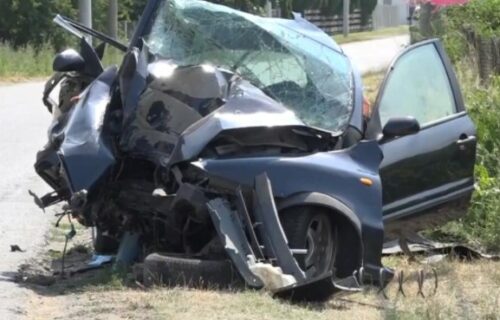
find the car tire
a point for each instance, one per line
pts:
(312, 229)
(160, 269)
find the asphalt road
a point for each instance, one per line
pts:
(375, 55)
(23, 124)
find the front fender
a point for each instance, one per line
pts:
(333, 175)
(321, 200)
(84, 151)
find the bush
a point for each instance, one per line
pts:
(483, 220)
(463, 27)
(483, 16)
(481, 226)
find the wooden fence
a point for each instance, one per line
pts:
(333, 24)
(487, 52)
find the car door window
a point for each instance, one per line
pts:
(419, 87)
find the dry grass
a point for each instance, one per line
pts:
(372, 35)
(466, 290)
(371, 84)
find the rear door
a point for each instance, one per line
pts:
(434, 167)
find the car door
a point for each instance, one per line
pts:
(434, 167)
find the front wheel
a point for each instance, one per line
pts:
(311, 231)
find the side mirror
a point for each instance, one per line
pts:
(68, 60)
(399, 127)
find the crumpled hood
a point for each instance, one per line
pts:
(245, 107)
(186, 107)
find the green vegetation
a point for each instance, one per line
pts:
(462, 26)
(25, 53)
(482, 224)
(29, 22)
(25, 62)
(372, 35)
(481, 15)
(21, 17)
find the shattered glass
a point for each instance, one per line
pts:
(292, 63)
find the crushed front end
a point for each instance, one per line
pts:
(205, 146)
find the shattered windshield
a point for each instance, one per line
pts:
(278, 56)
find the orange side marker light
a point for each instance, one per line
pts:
(366, 181)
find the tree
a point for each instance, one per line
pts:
(30, 22)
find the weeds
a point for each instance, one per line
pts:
(24, 62)
(372, 35)
(483, 221)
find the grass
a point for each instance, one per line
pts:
(24, 63)
(372, 35)
(371, 85)
(466, 290)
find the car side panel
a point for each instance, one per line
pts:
(431, 172)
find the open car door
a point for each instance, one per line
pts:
(427, 177)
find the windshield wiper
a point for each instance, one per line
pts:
(75, 28)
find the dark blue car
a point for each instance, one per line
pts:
(227, 141)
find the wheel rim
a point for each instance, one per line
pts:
(320, 246)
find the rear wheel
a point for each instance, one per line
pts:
(311, 230)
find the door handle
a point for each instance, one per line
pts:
(464, 141)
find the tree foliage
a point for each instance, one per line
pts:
(26, 22)
(30, 22)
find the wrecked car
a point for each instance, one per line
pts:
(225, 137)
